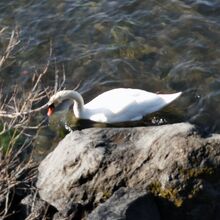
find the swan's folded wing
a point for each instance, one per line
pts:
(113, 104)
(118, 100)
(120, 105)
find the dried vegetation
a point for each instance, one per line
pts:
(18, 129)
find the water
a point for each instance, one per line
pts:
(163, 45)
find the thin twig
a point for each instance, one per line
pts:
(16, 116)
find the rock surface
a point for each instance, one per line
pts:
(127, 204)
(173, 162)
(32, 207)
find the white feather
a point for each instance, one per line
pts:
(118, 105)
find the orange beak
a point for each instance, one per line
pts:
(50, 110)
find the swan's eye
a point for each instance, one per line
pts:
(50, 110)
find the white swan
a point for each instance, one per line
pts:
(116, 105)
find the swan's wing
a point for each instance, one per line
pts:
(118, 99)
(124, 104)
(119, 105)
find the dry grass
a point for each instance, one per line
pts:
(16, 177)
(17, 170)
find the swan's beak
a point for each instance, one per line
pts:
(50, 110)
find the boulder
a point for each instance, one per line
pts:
(32, 207)
(127, 204)
(172, 163)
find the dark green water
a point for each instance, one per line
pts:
(162, 45)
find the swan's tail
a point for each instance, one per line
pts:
(168, 98)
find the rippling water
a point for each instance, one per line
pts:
(164, 45)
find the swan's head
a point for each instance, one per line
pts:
(59, 101)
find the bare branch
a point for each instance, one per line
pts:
(13, 42)
(16, 114)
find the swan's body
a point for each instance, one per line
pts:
(116, 105)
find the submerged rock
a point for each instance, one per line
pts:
(172, 162)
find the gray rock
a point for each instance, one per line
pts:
(172, 161)
(127, 204)
(70, 212)
(31, 207)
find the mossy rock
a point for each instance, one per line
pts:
(192, 181)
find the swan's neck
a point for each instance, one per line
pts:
(78, 102)
(78, 107)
